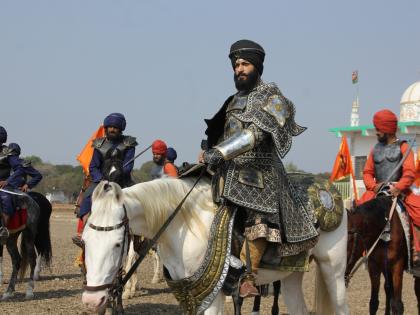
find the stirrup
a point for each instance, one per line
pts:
(77, 240)
(4, 235)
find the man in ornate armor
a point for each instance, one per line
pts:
(162, 167)
(13, 176)
(246, 141)
(381, 162)
(112, 159)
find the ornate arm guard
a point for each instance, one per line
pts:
(213, 157)
(237, 144)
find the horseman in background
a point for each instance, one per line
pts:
(246, 141)
(382, 160)
(13, 176)
(162, 167)
(110, 159)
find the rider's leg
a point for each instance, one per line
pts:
(83, 216)
(6, 213)
(256, 251)
(416, 245)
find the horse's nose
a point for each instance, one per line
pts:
(94, 300)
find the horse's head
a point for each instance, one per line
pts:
(365, 223)
(106, 240)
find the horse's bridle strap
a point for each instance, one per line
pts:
(108, 228)
(98, 287)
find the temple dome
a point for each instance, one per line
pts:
(410, 103)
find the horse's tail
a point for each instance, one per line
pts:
(322, 303)
(42, 239)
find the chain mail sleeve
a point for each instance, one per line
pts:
(239, 143)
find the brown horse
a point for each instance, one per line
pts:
(366, 223)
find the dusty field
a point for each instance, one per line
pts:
(59, 291)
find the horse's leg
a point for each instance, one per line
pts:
(217, 306)
(293, 295)
(37, 268)
(417, 291)
(375, 281)
(1, 264)
(31, 256)
(158, 266)
(16, 261)
(275, 308)
(397, 305)
(130, 286)
(237, 304)
(256, 306)
(388, 292)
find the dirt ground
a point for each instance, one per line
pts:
(59, 290)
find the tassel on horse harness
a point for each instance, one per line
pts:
(366, 257)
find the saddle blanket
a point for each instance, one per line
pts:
(18, 221)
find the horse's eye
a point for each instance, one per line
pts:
(118, 245)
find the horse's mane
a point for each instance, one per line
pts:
(160, 197)
(375, 208)
(104, 202)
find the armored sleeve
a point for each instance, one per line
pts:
(95, 167)
(16, 164)
(35, 175)
(238, 144)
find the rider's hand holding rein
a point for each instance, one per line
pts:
(395, 192)
(3, 183)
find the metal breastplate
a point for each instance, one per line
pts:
(112, 165)
(386, 158)
(232, 124)
(5, 167)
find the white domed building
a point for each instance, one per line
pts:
(361, 139)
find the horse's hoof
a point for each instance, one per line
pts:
(36, 277)
(126, 296)
(29, 296)
(155, 280)
(7, 295)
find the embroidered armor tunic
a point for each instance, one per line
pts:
(256, 131)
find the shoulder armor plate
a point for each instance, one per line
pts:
(98, 142)
(130, 141)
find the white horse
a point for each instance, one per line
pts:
(183, 244)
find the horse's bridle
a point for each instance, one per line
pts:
(117, 278)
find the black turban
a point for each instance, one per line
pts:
(3, 135)
(250, 51)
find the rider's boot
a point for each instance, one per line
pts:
(77, 239)
(256, 251)
(416, 248)
(4, 232)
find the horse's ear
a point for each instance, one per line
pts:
(118, 192)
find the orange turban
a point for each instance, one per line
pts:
(385, 121)
(159, 147)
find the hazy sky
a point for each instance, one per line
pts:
(65, 65)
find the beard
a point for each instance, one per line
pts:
(248, 83)
(383, 139)
(113, 135)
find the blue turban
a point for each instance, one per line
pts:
(115, 120)
(3, 135)
(171, 154)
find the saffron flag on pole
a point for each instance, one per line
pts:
(85, 156)
(343, 165)
(355, 77)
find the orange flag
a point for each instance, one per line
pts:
(343, 165)
(86, 154)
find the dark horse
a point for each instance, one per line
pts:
(366, 223)
(35, 241)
